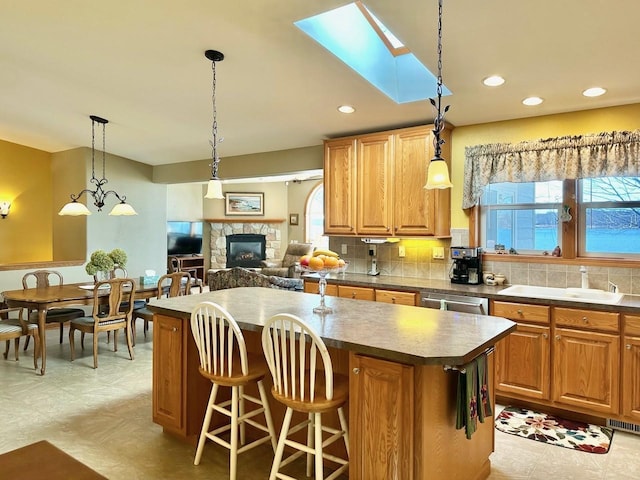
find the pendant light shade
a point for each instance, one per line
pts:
(438, 172)
(75, 208)
(438, 175)
(214, 189)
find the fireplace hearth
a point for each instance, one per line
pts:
(245, 250)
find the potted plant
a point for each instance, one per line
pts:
(102, 263)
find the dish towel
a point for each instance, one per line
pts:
(472, 399)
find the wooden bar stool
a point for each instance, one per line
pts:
(224, 361)
(292, 349)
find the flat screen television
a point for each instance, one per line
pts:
(184, 238)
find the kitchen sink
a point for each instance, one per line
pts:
(588, 295)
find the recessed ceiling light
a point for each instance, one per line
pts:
(346, 109)
(594, 92)
(532, 101)
(493, 81)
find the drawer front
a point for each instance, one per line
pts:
(521, 312)
(359, 293)
(314, 287)
(400, 298)
(632, 325)
(587, 319)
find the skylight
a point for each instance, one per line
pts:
(358, 38)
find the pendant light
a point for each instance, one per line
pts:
(75, 208)
(214, 188)
(438, 172)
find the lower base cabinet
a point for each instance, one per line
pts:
(631, 375)
(381, 419)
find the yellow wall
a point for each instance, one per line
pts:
(626, 117)
(25, 181)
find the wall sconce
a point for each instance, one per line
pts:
(4, 209)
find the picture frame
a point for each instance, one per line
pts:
(244, 204)
(293, 219)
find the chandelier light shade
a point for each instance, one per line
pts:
(214, 188)
(438, 173)
(75, 208)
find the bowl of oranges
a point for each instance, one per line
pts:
(322, 261)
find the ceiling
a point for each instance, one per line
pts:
(141, 64)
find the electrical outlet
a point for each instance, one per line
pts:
(343, 249)
(373, 250)
(438, 253)
(401, 251)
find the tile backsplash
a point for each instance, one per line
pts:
(418, 262)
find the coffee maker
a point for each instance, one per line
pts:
(466, 267)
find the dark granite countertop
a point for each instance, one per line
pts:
(413, 335)
(628, 304)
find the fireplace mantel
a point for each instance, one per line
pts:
(245, 220)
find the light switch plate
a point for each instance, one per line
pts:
(343, 249)
(438, 252)
(401, 251)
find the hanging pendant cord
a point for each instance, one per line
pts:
(439, 120)
(214, 127)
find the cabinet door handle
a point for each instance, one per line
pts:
(393, 299)
(519, 312)
(388, 229)
(356, 370)
(174, 329)
(628, 346)
(544, 335)
(557, 337)
(585, 319)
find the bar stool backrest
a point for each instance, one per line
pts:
(219, 340)
(296, 355)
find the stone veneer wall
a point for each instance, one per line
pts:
(219, 232)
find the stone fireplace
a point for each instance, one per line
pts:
(245, 250)
(220, 230)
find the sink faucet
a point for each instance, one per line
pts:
(585, 277)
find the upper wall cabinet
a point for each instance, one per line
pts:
(374, 185)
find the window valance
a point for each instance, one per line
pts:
(605, 154)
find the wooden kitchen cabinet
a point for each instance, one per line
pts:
(374, 166)
(357, 293)
(383, 194)
(523, 359)
(381, 419)
(399, 298)
(168, 372)
(587, 370)
(415, 207)
(314, 287)
(631, 368)
(340, 187)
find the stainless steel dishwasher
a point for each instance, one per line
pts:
(456, 303)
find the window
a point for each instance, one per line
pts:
(527, 216)
(610, 209)
(315, 218)
(522, 216)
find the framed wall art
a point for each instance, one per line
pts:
(243, 204)
(293, 219)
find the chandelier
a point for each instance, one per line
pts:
(438, 173)
(214, 188)
(75, 208)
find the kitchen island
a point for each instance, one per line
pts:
(402, 392)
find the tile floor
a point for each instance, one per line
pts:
(103, 418)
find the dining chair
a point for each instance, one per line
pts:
(176, 264)
(169, 285)
(294, 353)
(43, 279)
(225, 362)
(14, 328)
(111, 319)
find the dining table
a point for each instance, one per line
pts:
(45, 298)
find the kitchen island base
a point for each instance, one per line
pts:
(401, 417)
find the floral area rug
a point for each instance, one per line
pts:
(554, 430)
